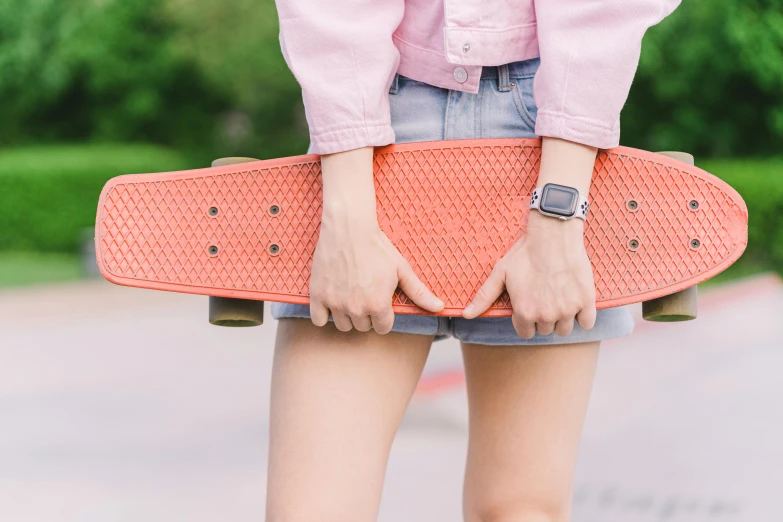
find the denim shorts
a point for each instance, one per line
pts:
(503, 108)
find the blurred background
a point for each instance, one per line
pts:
(118, 404)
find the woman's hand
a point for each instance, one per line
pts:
(547, 273)
(549, 278)
(356, 268)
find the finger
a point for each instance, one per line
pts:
(319, 314)
(586, 317)
(486, 295)
(362, 323)
(342, 321)
(525, 329)
(383, 322)
(416, 290)
(545, 328)
(564, 327)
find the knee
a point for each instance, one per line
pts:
(524, 509)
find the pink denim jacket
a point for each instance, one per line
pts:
(344, 53)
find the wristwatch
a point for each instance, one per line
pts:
(559, 201)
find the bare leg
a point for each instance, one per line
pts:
(527, 406)
(337, 401)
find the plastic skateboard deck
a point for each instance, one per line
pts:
(452, 208)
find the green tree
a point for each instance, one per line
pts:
(100, 70)
(711, 81)
(236, 45)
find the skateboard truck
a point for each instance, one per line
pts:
(226, 311)
(682, 305)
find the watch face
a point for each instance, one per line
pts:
(559, 200)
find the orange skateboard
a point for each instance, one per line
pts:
(657, 225)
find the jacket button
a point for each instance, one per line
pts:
(461, 75)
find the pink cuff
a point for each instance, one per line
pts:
(350, 138)
(580, 130)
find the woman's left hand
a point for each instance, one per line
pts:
(548, 276)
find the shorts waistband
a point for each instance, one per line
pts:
(523, 69)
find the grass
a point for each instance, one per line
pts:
(760, 182)
(744, 267)
(26, 268)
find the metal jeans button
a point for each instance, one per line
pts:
(461, 75)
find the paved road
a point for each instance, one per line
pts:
(125, 405)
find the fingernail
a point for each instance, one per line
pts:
(438, 303)
(469, 309)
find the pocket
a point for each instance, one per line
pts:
(522, 92)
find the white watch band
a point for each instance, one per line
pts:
(582, 205)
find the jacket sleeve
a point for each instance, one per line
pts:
(589, 55)
(341, 53)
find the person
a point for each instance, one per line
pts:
(392, 71)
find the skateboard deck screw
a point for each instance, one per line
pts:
(274, 210)
(694, 205)
(213, 250)
(274, 249)
(632, 205)
(695, 243)
(213, 211)
(633, 244)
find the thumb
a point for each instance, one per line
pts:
(416, 290)
(486, 295)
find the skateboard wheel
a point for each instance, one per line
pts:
(679, 306)
(222, 162)
(224, 311)
(682, 156)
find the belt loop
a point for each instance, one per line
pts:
(395, 84)
(503, 79)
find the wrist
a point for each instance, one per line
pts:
(348, 185)
(539, 224)
(350, 213)
(566, 163)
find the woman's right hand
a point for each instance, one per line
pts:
(356, 268)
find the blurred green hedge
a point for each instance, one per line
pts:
(49, 195)
(760, 183)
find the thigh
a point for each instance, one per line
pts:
(527, 406)
(337, 400)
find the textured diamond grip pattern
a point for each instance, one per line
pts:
(451, 208)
